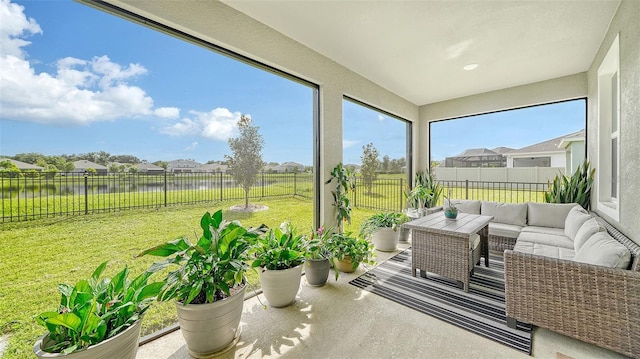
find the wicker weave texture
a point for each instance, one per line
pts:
(591, 303)
(444, 255)
(500, 243)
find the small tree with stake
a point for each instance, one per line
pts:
(246, 161)
(370, 165)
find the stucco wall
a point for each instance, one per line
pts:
(222, 25)
(626, 22)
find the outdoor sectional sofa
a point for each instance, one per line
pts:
(567, 270)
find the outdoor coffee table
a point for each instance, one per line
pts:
(441, 246)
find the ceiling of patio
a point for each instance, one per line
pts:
(417, 49)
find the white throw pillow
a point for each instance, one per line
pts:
(575, 219)
(507, 213)
(588, 229)
(602, 250)
(467, 205)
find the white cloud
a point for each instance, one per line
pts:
(167, 112)
(219, 124)
(349, 143)
(380, 118)
(192, 146)
(80, 92)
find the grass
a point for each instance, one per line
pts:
(36, 256)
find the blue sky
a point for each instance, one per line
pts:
(74, 80)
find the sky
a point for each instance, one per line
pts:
(74, 79)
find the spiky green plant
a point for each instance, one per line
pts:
(574, 189)
(433, 189)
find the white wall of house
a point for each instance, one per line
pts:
(575, 156)
(537, 159)
(626, 23)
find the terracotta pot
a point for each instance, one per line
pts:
(124, 345)
(345, 265)
(211, 328)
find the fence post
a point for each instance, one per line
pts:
(221, 191)
(466, 189)
(165, 188)
(262, 183)
(86, 193)
(401, 192)
(295, 188)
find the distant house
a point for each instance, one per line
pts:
(353, 167)
(214, 167)
(565, 152)
(82, 166)
(149, 168)
(284, 167)
(23, 166)
(183, 166)
(477, 157)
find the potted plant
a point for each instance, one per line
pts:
(450, 209)
(98, 317)
(209, 282)
(344, 182)
(574, 189)
(347, 252)
(280, 254)
(382, 229)
(317, 256)
(403, 233)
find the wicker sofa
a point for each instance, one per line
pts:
(568, 271)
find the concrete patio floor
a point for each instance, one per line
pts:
(339, 320)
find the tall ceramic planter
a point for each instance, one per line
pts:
(385, 239)
(211, 328)
(316, 271)
(124, 345)
(281, 286)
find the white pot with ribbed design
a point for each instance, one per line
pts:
(385, 239)
(281, 286)
(211, 328)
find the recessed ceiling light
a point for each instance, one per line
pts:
(470, 67)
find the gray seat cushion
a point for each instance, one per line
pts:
(544, 250)
(575, 219)
(546, 239)
(588, 229)
(504, 230)
(467, 205)
(544, 230)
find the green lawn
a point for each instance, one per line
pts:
(37, 255)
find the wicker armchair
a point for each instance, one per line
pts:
(595, 304)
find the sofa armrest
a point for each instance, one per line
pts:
(591, 303)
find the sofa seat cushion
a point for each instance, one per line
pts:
(467, 205)
(546, 239)
(507, 213)
(548, 214)
(544, 230)
(544, 250)
(504, 230)
(575, 219)
(600, 249)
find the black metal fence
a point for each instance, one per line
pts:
(25, 198)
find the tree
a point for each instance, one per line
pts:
(246, 161)
(370, 163)
(9, 170)
(163, 164)
(386, 162)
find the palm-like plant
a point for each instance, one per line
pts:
(574, 189)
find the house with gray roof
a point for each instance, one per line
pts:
(149, 168)
(477, 157)
(23, 166)
(563, 152)
(214, 167)
(183, 166)
(82, 166)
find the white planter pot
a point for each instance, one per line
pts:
(385, 239)
(211, 328)
(281, 286)
(123, 345)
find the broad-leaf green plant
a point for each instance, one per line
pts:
(97, 309)
(574, 189)
(391, 220)
(210, 268)
(344, 183)
(280, 248)
(317, 244)
(342, 245)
